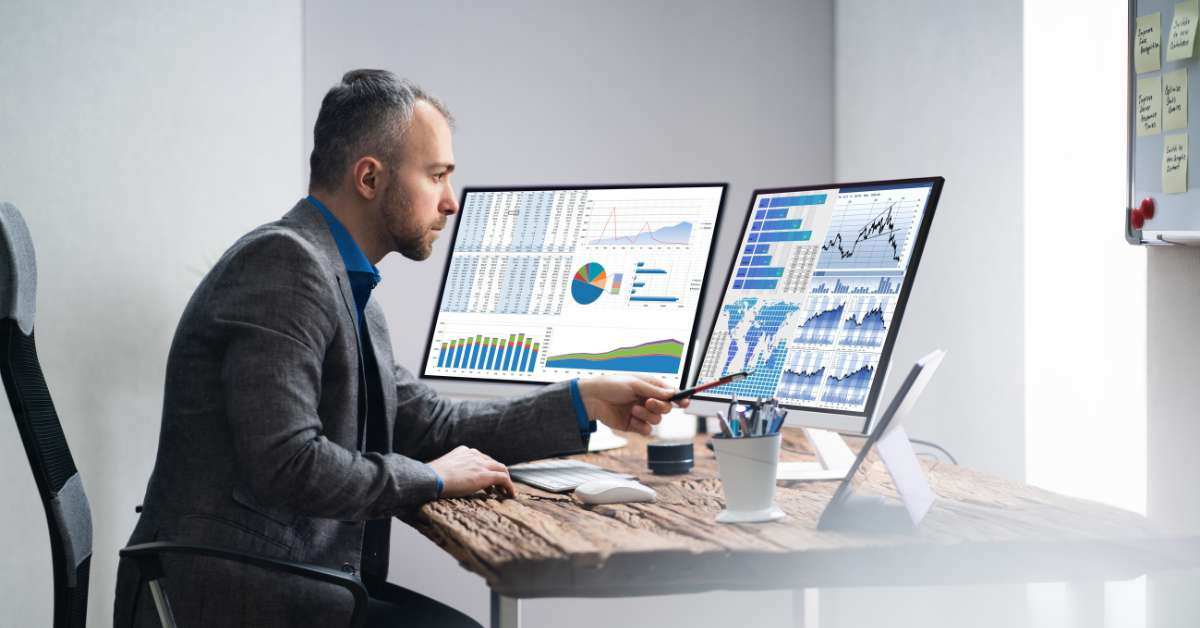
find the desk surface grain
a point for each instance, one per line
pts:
(981, 529)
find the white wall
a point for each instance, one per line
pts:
(551, 92)
(139, 141)
(934, 88)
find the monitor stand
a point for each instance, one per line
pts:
(604, 438)
(834, 458)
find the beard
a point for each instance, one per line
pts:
(409, 235)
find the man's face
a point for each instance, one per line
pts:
(418, 198)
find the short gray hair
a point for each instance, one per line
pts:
(367, 113)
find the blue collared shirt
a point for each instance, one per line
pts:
(364, 276)
(362, 273)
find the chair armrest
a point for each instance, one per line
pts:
(146, 555)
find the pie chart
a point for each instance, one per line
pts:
(588, 283)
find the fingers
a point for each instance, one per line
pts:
(506, 485)
(651, 387)
(642, 414)
(639, 426)
(496, 474)
(658, 406)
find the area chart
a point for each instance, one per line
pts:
(658, 356)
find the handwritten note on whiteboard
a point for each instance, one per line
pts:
(1175, 150)
(1175, 99)
(1149, 106)
(1148, 43)
(1181, 43)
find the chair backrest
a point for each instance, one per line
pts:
(67, 512)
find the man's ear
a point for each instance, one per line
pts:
(368, 177)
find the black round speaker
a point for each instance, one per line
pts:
(670, 457)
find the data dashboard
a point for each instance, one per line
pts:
(546, 284)
(811, 302)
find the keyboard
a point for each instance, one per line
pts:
(560, 476)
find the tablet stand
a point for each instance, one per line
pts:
(854, 509)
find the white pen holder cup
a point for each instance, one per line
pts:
(747, 469)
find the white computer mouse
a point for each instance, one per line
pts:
(614, 491)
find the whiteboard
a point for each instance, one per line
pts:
(1176, 216)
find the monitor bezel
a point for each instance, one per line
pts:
(708, 269)
(877, 385)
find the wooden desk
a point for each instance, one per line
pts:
(982, 529)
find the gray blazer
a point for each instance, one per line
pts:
(260, 450)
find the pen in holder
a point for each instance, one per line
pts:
(747, 469)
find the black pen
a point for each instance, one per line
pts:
(684, 394)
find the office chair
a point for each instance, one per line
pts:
(59, 485)
(67, 511)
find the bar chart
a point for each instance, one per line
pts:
(878, 284)
(516, 353)
(651, 284)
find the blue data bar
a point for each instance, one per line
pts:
(779, 225)
(663, 299)
(755, 284)
(774, 214)
(781, 236)
(770, 271)
(650, 271)
(797, 201)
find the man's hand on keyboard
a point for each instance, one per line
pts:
(631, 403)
(465, 470)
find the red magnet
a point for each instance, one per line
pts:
(1137, 219)
(1147, 208)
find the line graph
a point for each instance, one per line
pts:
(881, 226)
(803, 376)
(848, 383)
(868, 321)
(678, 234)
(872, 229)
(644, 222)
(820, 321)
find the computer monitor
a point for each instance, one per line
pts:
(815, 295)
(544, 284)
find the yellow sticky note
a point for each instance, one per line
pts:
(1147, 43)
(1181, 43)
(1175, 163)
(1175, 98)
(1149, 106)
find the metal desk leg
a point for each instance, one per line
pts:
(506, 611)
(805, 612)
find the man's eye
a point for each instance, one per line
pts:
(439, 177)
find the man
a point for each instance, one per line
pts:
(288, 430)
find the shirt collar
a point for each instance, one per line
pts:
(352, 255)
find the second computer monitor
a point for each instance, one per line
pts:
(815, 297)
(549, 283)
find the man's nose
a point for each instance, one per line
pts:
(449, 204)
